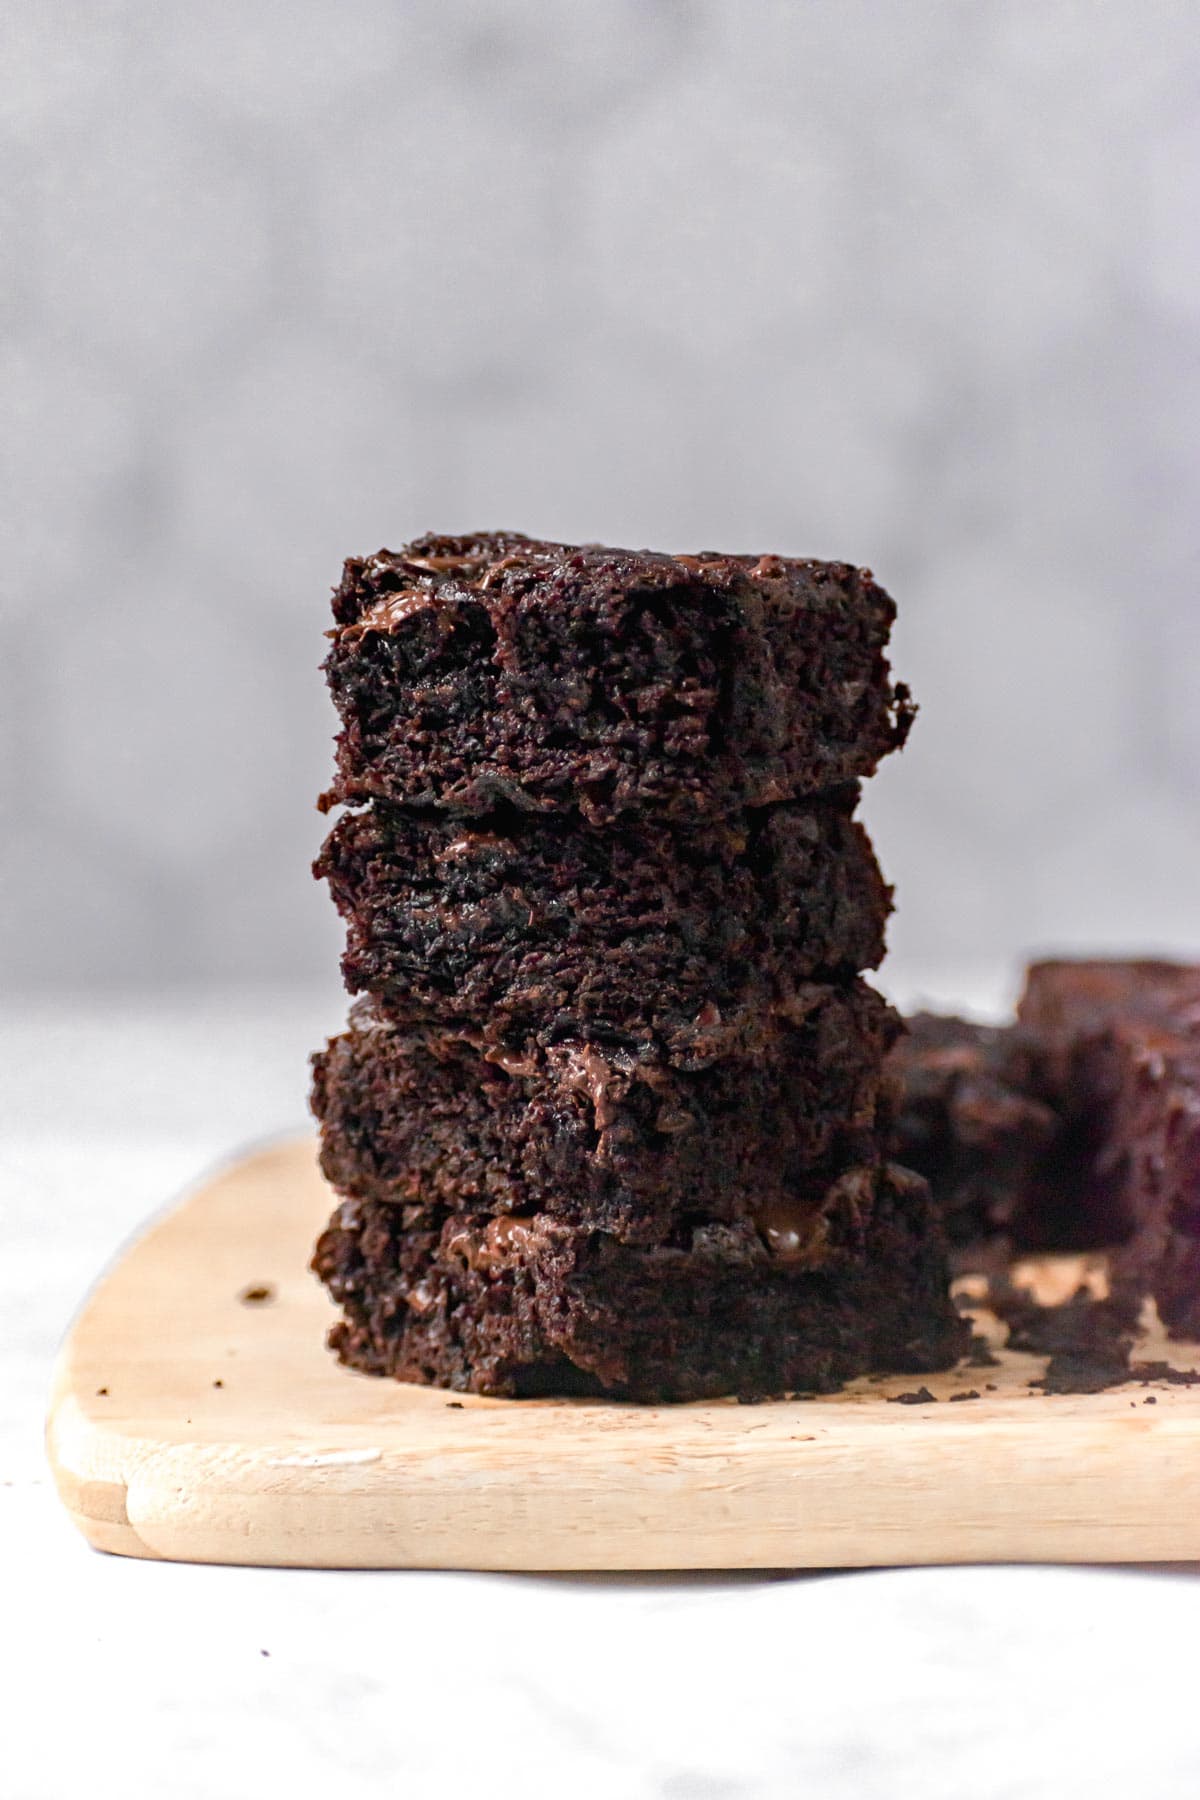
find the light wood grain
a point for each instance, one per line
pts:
(293, 1460)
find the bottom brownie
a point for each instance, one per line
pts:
(531, 1305)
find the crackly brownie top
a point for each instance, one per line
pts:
(378, 592)
(494, 669)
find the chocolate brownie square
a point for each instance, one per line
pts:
(494, 670)
(1120, 1044)
(513, 925)
(611, 1136)
(1067, 998)
(967, 1120)
(536, 1305)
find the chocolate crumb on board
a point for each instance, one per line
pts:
(1082, 1372)
(1162, 1371)
(100, 1391)
(218, 1383)
(970, 1394)
(455, 1405)
(915, 1397)
(1088, 1341)
(257, 1294)
(980, 1354)
(1150, 1400)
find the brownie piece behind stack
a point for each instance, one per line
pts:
(1120, 1043)
(472, 672)
(969, 1123)
(1076, 1128)
(612, 1117)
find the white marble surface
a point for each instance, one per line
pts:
(135, 1679)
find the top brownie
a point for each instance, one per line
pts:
(473, 672)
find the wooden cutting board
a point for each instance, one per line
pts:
(191, 1420)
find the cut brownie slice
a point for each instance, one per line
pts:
(513, 924)
(1120, 1043)
(967, 1121)
(533, 1305)
(1067, 998)
(611, 1136)
(479, 671)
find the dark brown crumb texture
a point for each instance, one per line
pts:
(1122, 1039)
(494, 670)
(1088, 1109)
(968, 1123)
(618, 1140)
(521, 926)
(521, 1307)
(612, 1119)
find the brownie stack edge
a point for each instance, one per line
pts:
(611, 1113)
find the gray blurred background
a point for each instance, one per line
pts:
(909, 282)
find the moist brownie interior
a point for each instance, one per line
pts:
(512, 923)
(475, 672)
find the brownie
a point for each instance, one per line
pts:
(535, 1305)
(967, 1121)
(1077, 1128)
(519, 925)
(1066, 998)
(472, 672)
(613, 1137)
(1120, 1044)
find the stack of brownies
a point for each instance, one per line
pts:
(611, 1116)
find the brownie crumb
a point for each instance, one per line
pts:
(1088, 1341)
(100, 1391)
(980, 1354)
(915, 1397)
(218, 1383)
(970, 1394)
(1082, 1372)
(1150, 1400)
(990, 1386)
(257, 1294)
(455, 1405)
(1162, 1371)
(264, 1653)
